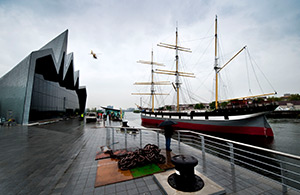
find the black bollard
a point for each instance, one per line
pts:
(184, 178)
(124, 124)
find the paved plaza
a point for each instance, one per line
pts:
(59, 158)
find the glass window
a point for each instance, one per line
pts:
(50, 100)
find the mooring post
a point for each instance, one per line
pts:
(184, 178)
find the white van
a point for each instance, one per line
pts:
(91, 117)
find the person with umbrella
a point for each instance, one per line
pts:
(168, 132)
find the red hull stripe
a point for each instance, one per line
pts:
(214, 128)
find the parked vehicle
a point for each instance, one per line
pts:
(91, 117)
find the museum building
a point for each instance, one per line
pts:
(42, 86)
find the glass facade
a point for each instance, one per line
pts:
(49, 100)
(44, 85)
(12, 91)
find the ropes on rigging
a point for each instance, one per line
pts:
(251, 59)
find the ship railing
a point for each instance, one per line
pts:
(279, 166)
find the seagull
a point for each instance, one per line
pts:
(94, 54)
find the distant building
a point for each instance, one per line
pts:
(288, 105)
(43, 85)
(129, 109)
(286, 97)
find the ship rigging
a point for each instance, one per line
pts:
(236, 120)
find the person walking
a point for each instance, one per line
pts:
(168, 134)
(167, 125)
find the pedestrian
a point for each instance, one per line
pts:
(168, 134)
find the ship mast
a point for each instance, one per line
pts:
(152, 83)
(216, 63)
(218, 69)
(176, 72)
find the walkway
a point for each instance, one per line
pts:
(59, 158)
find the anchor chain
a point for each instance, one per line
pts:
(139, 157)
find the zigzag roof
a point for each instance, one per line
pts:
(51, 61)
(58, 46)
(63, 64)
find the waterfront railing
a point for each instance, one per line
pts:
(281, 167)
(278, 166)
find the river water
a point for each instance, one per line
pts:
(286, 134)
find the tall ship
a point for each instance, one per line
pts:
(239, 118)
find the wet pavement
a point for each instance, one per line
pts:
(59, 158)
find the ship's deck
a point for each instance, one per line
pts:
(59, 158)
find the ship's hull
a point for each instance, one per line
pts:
(247, 124)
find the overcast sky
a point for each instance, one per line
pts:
(123, 32)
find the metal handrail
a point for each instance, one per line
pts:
(242, 144)
(285, 175)
(228, 150)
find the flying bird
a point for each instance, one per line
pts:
(93, 54)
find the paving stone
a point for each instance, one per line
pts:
(152, 187)
(110, 189)
(130, 186)
(133, 191)
(59, 158)
(140, 183)
(122, 193)
(120, 187)
(99, 191)
(143, 189)
(156, 192)
(264, 187)
(88, 191)
(150, 181)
